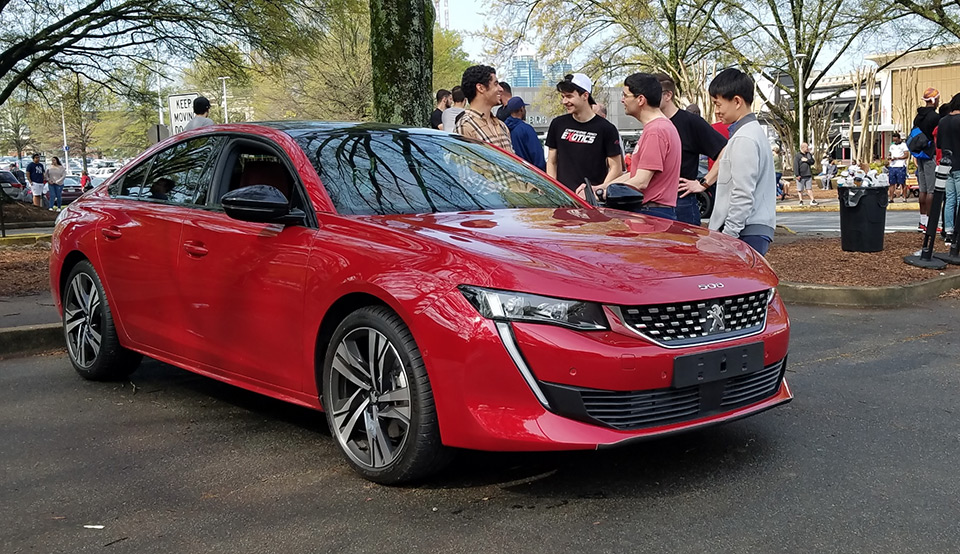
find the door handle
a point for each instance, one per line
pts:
(111, 232)
(195, 249)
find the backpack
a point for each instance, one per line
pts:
(918, 143)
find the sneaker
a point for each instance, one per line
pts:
(801, 202)
(921, 227)
(814, 203)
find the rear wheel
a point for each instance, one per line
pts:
(378, 400)
(91, 337)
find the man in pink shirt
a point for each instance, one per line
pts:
(655, 167)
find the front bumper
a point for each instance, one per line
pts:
(557, 389)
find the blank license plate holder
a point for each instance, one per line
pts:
(714, 365)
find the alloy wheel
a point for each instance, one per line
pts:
(83, 320)
(370, 398)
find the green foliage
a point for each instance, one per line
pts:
(93, 37)
(449, 59)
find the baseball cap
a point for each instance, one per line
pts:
(515, 104)
(201, 105)
(931, 94)
(582, 81)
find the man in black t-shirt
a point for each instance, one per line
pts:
(697, 138)
(444, 101)
(582, 145)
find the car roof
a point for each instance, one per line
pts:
(298, 127)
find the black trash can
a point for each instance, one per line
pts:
(863, 216)
(623, 197)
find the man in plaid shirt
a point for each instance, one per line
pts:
(482, 89)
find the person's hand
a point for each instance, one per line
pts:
(689, 186)
(597, 190)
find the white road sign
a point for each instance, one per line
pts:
(181, 111)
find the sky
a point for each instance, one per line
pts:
(465, 16)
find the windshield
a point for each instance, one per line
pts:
(390, 172)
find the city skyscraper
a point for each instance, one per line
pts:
(524, 72)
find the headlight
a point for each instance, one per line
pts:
(517, 306)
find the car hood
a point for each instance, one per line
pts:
(582, 249)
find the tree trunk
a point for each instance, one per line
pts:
(401, 48)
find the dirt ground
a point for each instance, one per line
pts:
(822, 261)
(18, 212)
(24, 269)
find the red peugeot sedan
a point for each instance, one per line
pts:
(424, 290)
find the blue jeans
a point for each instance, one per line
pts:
(759, 243)
(56, 195)
(688, 209)
(659, 211)
(950, 208)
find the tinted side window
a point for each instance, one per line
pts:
(178, 172)
(399, 173)
(132, 183)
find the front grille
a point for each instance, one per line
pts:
(628, 411)
(691, 323)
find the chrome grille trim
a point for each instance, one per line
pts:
(683, 324)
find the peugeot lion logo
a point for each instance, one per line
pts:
(715, 316)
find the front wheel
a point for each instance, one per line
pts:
(88, 328)
(378, 400)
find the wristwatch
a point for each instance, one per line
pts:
(703, 182)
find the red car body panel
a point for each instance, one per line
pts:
(245, 302)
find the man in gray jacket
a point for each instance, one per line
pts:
(746, 199)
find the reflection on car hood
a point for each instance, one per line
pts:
(616, 249)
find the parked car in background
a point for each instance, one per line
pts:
(102, 172)
(426, 291)
(11, 186)
(72, 189)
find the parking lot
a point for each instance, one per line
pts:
(863, 460)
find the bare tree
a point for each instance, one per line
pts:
(905, 102)
(865, 86)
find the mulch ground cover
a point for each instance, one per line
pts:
(24, 269)
(822, 261)
(19, 212)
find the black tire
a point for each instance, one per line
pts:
(404, 455)
(83, 321)
(705, 203)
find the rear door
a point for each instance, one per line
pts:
(139, 241)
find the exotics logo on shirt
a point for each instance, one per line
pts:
(581, 137)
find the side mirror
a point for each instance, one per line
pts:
(260, 204)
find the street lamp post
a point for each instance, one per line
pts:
(66, 148)
(226, 116)
(800, 85)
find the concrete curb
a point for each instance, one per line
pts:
(30, 224)
(867, 297)
(21, 240)
(902, 207)
(28, 339)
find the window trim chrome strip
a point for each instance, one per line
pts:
(510, 343)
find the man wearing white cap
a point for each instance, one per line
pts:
(581, 144)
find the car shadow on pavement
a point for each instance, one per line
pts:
(672, 465)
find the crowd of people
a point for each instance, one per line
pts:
(584, 150)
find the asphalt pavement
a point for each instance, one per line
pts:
(863, 460)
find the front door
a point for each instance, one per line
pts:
(243, 283)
